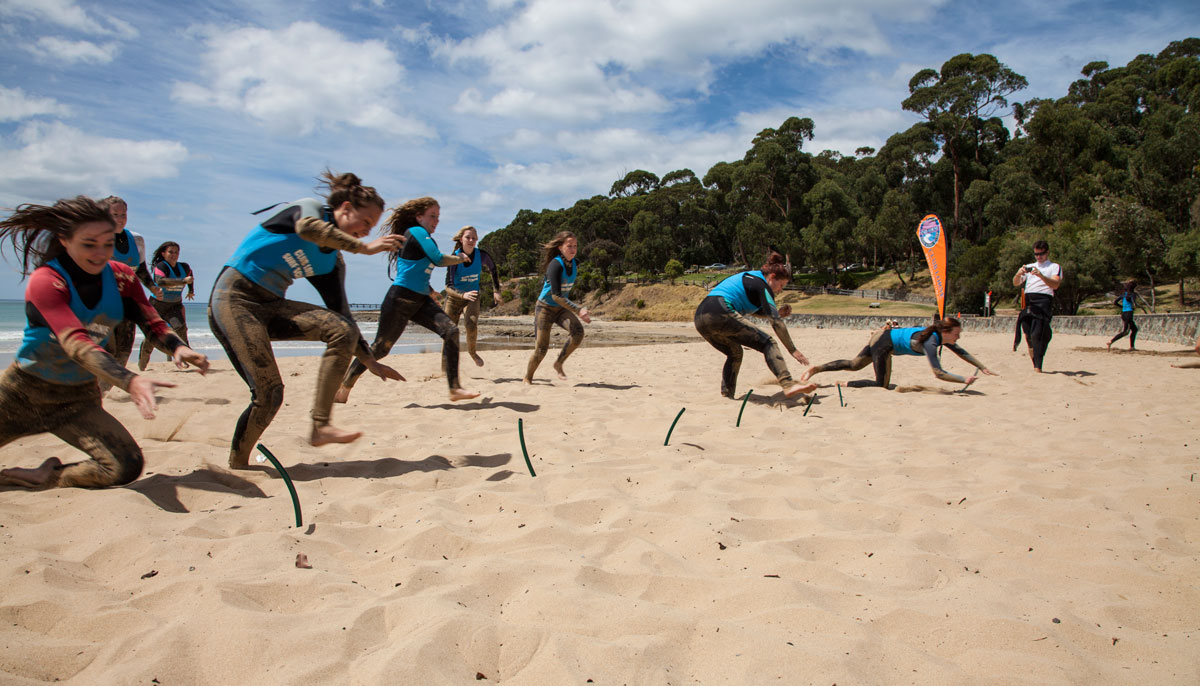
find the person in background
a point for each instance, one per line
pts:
(1040, 280)
(172, 277)
(129, 249)
(554, 305)
(1126, 301)
(463, 285)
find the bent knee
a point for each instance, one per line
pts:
(129, 469)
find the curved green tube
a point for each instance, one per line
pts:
(673, 426)
(286, 479)
(521, 433)
(739, 421)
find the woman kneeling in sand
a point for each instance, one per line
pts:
(720, 319)
(913, 340)
(76, 296)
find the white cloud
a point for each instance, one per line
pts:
(67, 14)
(637, 53)
(52, 160)
(15, 105)
(74, 51)
(297, 79)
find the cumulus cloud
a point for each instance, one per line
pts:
(640, 53)
(50, 48)
(15, 105)
(67, 14)
(45, 161)
(300, 78)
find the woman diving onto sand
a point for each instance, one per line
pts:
(554, 305)
(720, 319)
(77, 295)
(914, 340)
(409, 298)
(248, 310)
(463, 282)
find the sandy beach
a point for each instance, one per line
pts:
(1035, 529)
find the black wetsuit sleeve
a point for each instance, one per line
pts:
(965, 356)
(930, 347)
(450, 271)
(490, 265)
(756, 291)
(187, 268)
(332, 289)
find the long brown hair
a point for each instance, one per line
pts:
(343, 187)
(404, 218)
(34, 230)
(778, 265)
(551, 250)
(942, 326)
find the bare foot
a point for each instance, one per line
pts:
(527, 381)
(1038, 370)
(561, 374)
(1109, 346)
(32, 478)
(796, 389)
(478, 359)
(342, 395)
(328, 433)
(462, 394)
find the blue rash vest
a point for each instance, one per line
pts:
(568, 279)
(41, 354)
(272, 255)
(1127, 302)
(733, 292)
(130, 255)
(172, 294)
(466, 275)
(413, 267)
(902, 340)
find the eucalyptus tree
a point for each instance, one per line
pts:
(968, 91)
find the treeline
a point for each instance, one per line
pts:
(1109, 174)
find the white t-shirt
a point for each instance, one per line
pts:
(1035, 285)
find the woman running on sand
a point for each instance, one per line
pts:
(75, 298)
(409, 298)
(1126, 301)
(171, 276)
(554, 305)
(462, 285)
(720, 319)
(913, 340)
(248, 310)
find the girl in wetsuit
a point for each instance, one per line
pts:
(409, 298)
(1126, 302)
(247, 309)
(913, 340)
(171, 276)
(554, 306)
(721, 320)
(75, 298)
(130, 249)
(462, 285)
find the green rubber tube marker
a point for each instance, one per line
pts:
(286, 479)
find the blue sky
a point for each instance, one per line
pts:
(199, 113)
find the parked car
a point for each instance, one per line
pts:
(716, 265)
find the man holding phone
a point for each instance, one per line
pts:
(1040, 279)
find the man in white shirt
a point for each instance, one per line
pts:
(1040, 279)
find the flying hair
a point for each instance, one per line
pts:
(348, 187)
(551, 250)
(33, 230)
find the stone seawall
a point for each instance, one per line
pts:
(1164, 328)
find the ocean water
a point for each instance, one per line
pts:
(12, 327)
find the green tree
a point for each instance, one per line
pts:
(956, 101)
(673, 270)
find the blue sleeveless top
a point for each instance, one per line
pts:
(274, 260)
(569, 274)
(41, 354)
(413, 273)
(733, 292)
(466, 276)
(172, 294)
(130, 256)
(902, 340)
